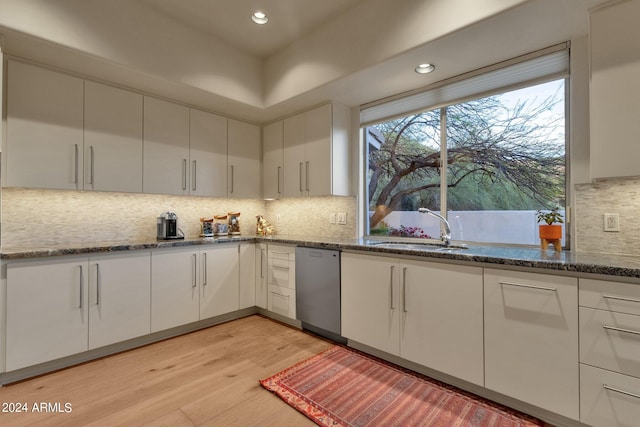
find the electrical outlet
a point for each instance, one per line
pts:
(611, 222)
(342, 218)
(332, 218)
(278, 218)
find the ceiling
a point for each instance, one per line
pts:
(209, 54)
(229, 20)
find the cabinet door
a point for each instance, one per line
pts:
(220, 287)
(119, 298)
(44, 128)
(247, 275)
(294, 158)
(272, 152)
(442, 326)
(370, 301)
(112, 139)
(208, 153)
(261, 275)
(318, 151)
(46, 311)
(174, 288)
(614, 90)
(245, 152)
(531, 339)
(166, 147)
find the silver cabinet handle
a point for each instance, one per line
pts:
(262, 263)
(91, 165)
(306, 170)
(75, 162)
(620, 298)
(98, 284)
(626, 331)
(300, 176)
(521, 285)
(81, 291)
(278, 177)
(404, 289)
(204, 269)
(184, 174)
(232, 173)
(617, 390)
(195, 271)
(194, 184)
(391, 303)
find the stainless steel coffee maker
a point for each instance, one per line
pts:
(168, 227)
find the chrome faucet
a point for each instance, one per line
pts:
(445, 234)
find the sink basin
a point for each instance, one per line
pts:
(432, 247)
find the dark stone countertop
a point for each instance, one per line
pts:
(526, 257)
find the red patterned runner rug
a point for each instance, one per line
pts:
(343, 387)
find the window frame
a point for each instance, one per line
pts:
(397, 99)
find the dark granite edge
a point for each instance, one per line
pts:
(565, 261)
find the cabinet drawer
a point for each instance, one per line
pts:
(282, 301)
(610, 340)
(608, 399)
(286, 253)
(282, 273)
(614, 296)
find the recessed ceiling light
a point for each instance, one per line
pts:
(425, 68)
(259, 18)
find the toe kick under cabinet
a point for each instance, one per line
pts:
(609, 353)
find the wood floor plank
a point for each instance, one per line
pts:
(209, 377)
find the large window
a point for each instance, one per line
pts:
(487, 164)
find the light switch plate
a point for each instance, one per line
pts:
(332, 218)
(342, 218)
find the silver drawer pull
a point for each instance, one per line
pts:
(627, 331)
(392, 305)
(620, 298)
(521, 285)
(617, 390)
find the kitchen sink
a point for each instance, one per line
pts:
(432, 247)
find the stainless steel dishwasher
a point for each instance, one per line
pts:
(318, 291)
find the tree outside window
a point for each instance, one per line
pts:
(502, 159)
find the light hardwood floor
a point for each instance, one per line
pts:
(205, 378)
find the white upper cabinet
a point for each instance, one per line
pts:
(44, 128)
(208, 154)
(272, 152)
(295, 156)
(112, 139)
(316, 152)
(166, 147)
(245, 152)
(615, 90)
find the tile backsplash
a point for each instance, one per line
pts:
(618, 196)
(44, 217)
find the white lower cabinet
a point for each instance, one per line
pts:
(175, 297)
(247, 268)
(428, 313)
(47, 311)
(531, 339)
(608, 399)
(190, 285)
(261, 274)
(609, 350)
(119, 297)
(56, 308)
(281, 280)
(219, 286)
